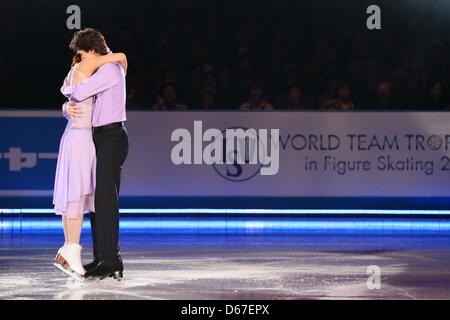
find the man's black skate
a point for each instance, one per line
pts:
(102, 271)
(91, 265)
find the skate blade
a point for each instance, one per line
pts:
(72, 274)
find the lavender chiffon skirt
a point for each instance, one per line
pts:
(75, 173)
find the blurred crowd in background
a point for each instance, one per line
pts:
(248, 55)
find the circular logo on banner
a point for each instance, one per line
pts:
(434, 142)
(239, 172)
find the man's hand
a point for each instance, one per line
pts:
(74, 111)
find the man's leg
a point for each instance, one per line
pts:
(112, 148)
(93, 264)
(117, 175)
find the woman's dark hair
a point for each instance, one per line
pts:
(76, 59)
(88, 39)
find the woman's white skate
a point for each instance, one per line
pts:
(69, 272)
(68, 261)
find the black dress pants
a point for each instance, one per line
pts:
(111, 149)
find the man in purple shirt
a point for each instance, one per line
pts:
(107, 87)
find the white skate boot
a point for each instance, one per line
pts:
(68, 260)
(59, 250)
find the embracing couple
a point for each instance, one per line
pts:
(92, 150)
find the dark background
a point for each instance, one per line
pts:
(212, 53)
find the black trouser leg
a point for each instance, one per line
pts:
(92, 217)
(112, 149)
(117, 183)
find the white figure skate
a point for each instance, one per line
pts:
(68, 260)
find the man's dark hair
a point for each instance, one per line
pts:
(89, 39)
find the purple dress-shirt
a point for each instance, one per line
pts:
(107, 86)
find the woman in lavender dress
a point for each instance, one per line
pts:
(75, 171)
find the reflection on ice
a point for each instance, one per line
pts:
(226, 266)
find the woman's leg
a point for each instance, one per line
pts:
(74, 225)
(69, 256)
(65, 227)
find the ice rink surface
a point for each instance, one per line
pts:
(315, 262)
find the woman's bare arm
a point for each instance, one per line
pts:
(89, 66)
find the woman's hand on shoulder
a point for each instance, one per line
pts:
(123, 60)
